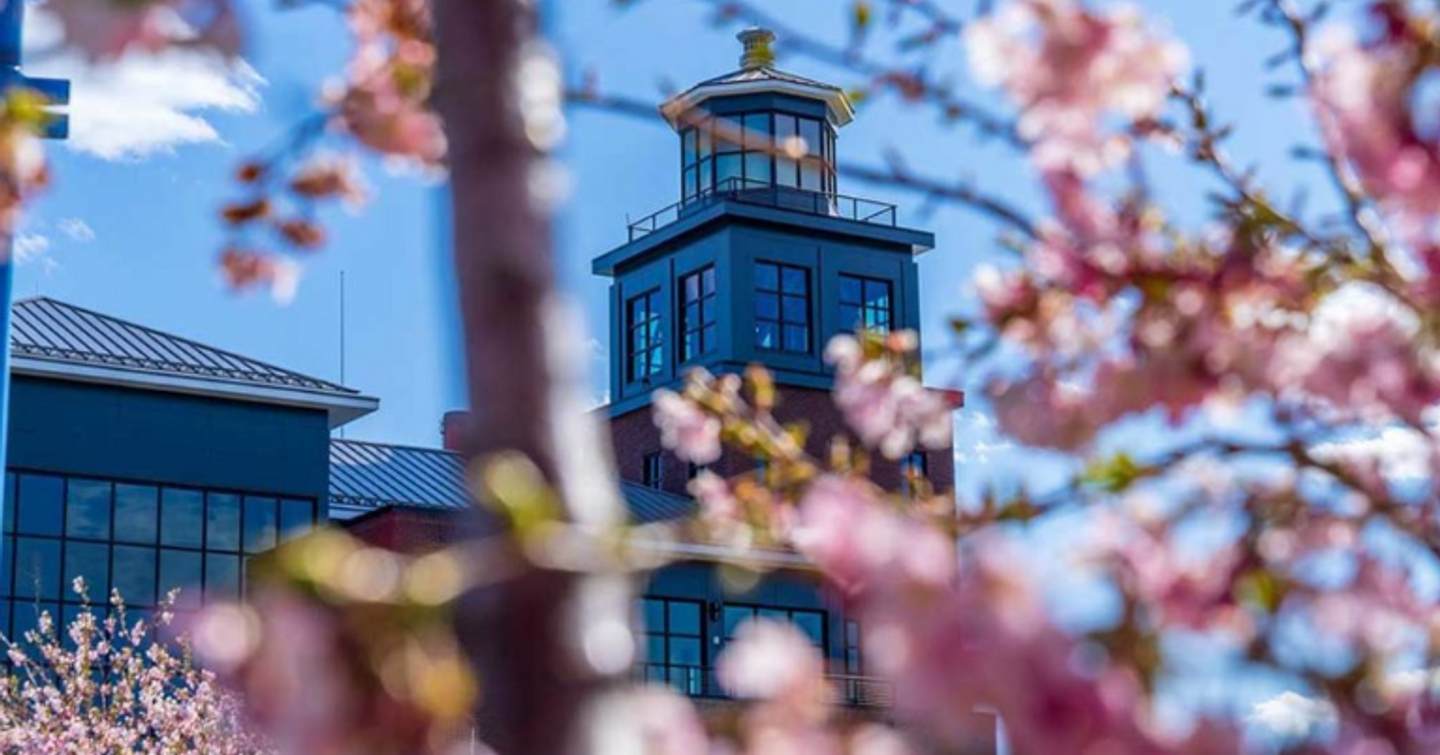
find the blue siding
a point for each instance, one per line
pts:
(105, 431)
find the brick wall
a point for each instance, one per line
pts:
(634, 436)
(409, 530)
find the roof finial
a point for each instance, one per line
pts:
(758, 51)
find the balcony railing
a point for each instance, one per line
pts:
(850, 690)
(765, 194)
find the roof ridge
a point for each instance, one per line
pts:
(406, 446)
(185, 340)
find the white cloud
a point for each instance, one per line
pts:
(30, 247)
(143, 104)
(1292, 715)
(76, 230)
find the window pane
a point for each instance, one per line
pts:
(757, 129)
(767, 276)
(796, 338)
(784, 128)
(727, 167)
(708, 282)
(705, 141)
(91, 561)
(877, 293)
(40, 501)
(688, 147)
(734, 616)
(707, 175)
(757, 166)
(810, 176)
(810, 132)
(655, 648)
(135, 513)
(260, 524)
(794, 309)
(37, 568)
(296, 518)
(684, 651)
(222, 576)
(794, 280)
(691, 287)
(135, 574)
(687, 182)
(767, 335)
(9, 502)
(684, 618)
(707, 313)
(27, 616)
(767, 306)
(222, 521)
(182, 515)
(87, 509)
(812, 624)
(179, 570)
(654, 615)
(707, 338)
(785, 172)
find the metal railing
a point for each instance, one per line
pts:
(765, 194)
(850, 690)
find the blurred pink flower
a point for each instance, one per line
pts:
(770, 660)
(887, 407)
(686, 429)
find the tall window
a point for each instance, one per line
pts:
(810, 622)
(142, 540)
(865, 303)
(645, 345)
(697, 313)
(674, 644)
(915, 463)
(782, 307)
(652, 473)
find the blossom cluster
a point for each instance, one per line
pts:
(113, 682)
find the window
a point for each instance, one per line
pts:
(865, 303)
(810, 622)
(644, 344)
(854, 660)
(697, 313)
(674, 644)
(782, 307)
(804, 161)
(142, 540)
(652, 473)
(915, 463)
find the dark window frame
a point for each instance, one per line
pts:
(644, 345)
(756, 608)
(66, 600)
(757, 155)
(692, 677)
(883, 320)
(779, 296)
(703, 329)
(652, 470)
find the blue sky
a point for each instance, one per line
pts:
(129, 227)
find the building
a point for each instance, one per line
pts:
(144, 461)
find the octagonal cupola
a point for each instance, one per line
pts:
(757, 127)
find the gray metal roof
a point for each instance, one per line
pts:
(367, 475)
(56, 331)
(764, 73)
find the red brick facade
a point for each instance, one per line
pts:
(635, 436)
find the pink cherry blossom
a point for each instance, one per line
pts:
(885, 405)
(692, 434)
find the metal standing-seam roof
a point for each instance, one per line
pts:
(44, 328)
(366, 476)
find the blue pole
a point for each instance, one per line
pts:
(12, 17)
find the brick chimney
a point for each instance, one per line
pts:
(453, 428)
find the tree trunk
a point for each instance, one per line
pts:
(533, 689)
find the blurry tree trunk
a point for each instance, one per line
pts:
(532, 690)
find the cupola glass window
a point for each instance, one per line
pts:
(754, 150)
(644, 343)
(865, 303)
(782, 307)
(697, 313)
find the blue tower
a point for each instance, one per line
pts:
(761, 259)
